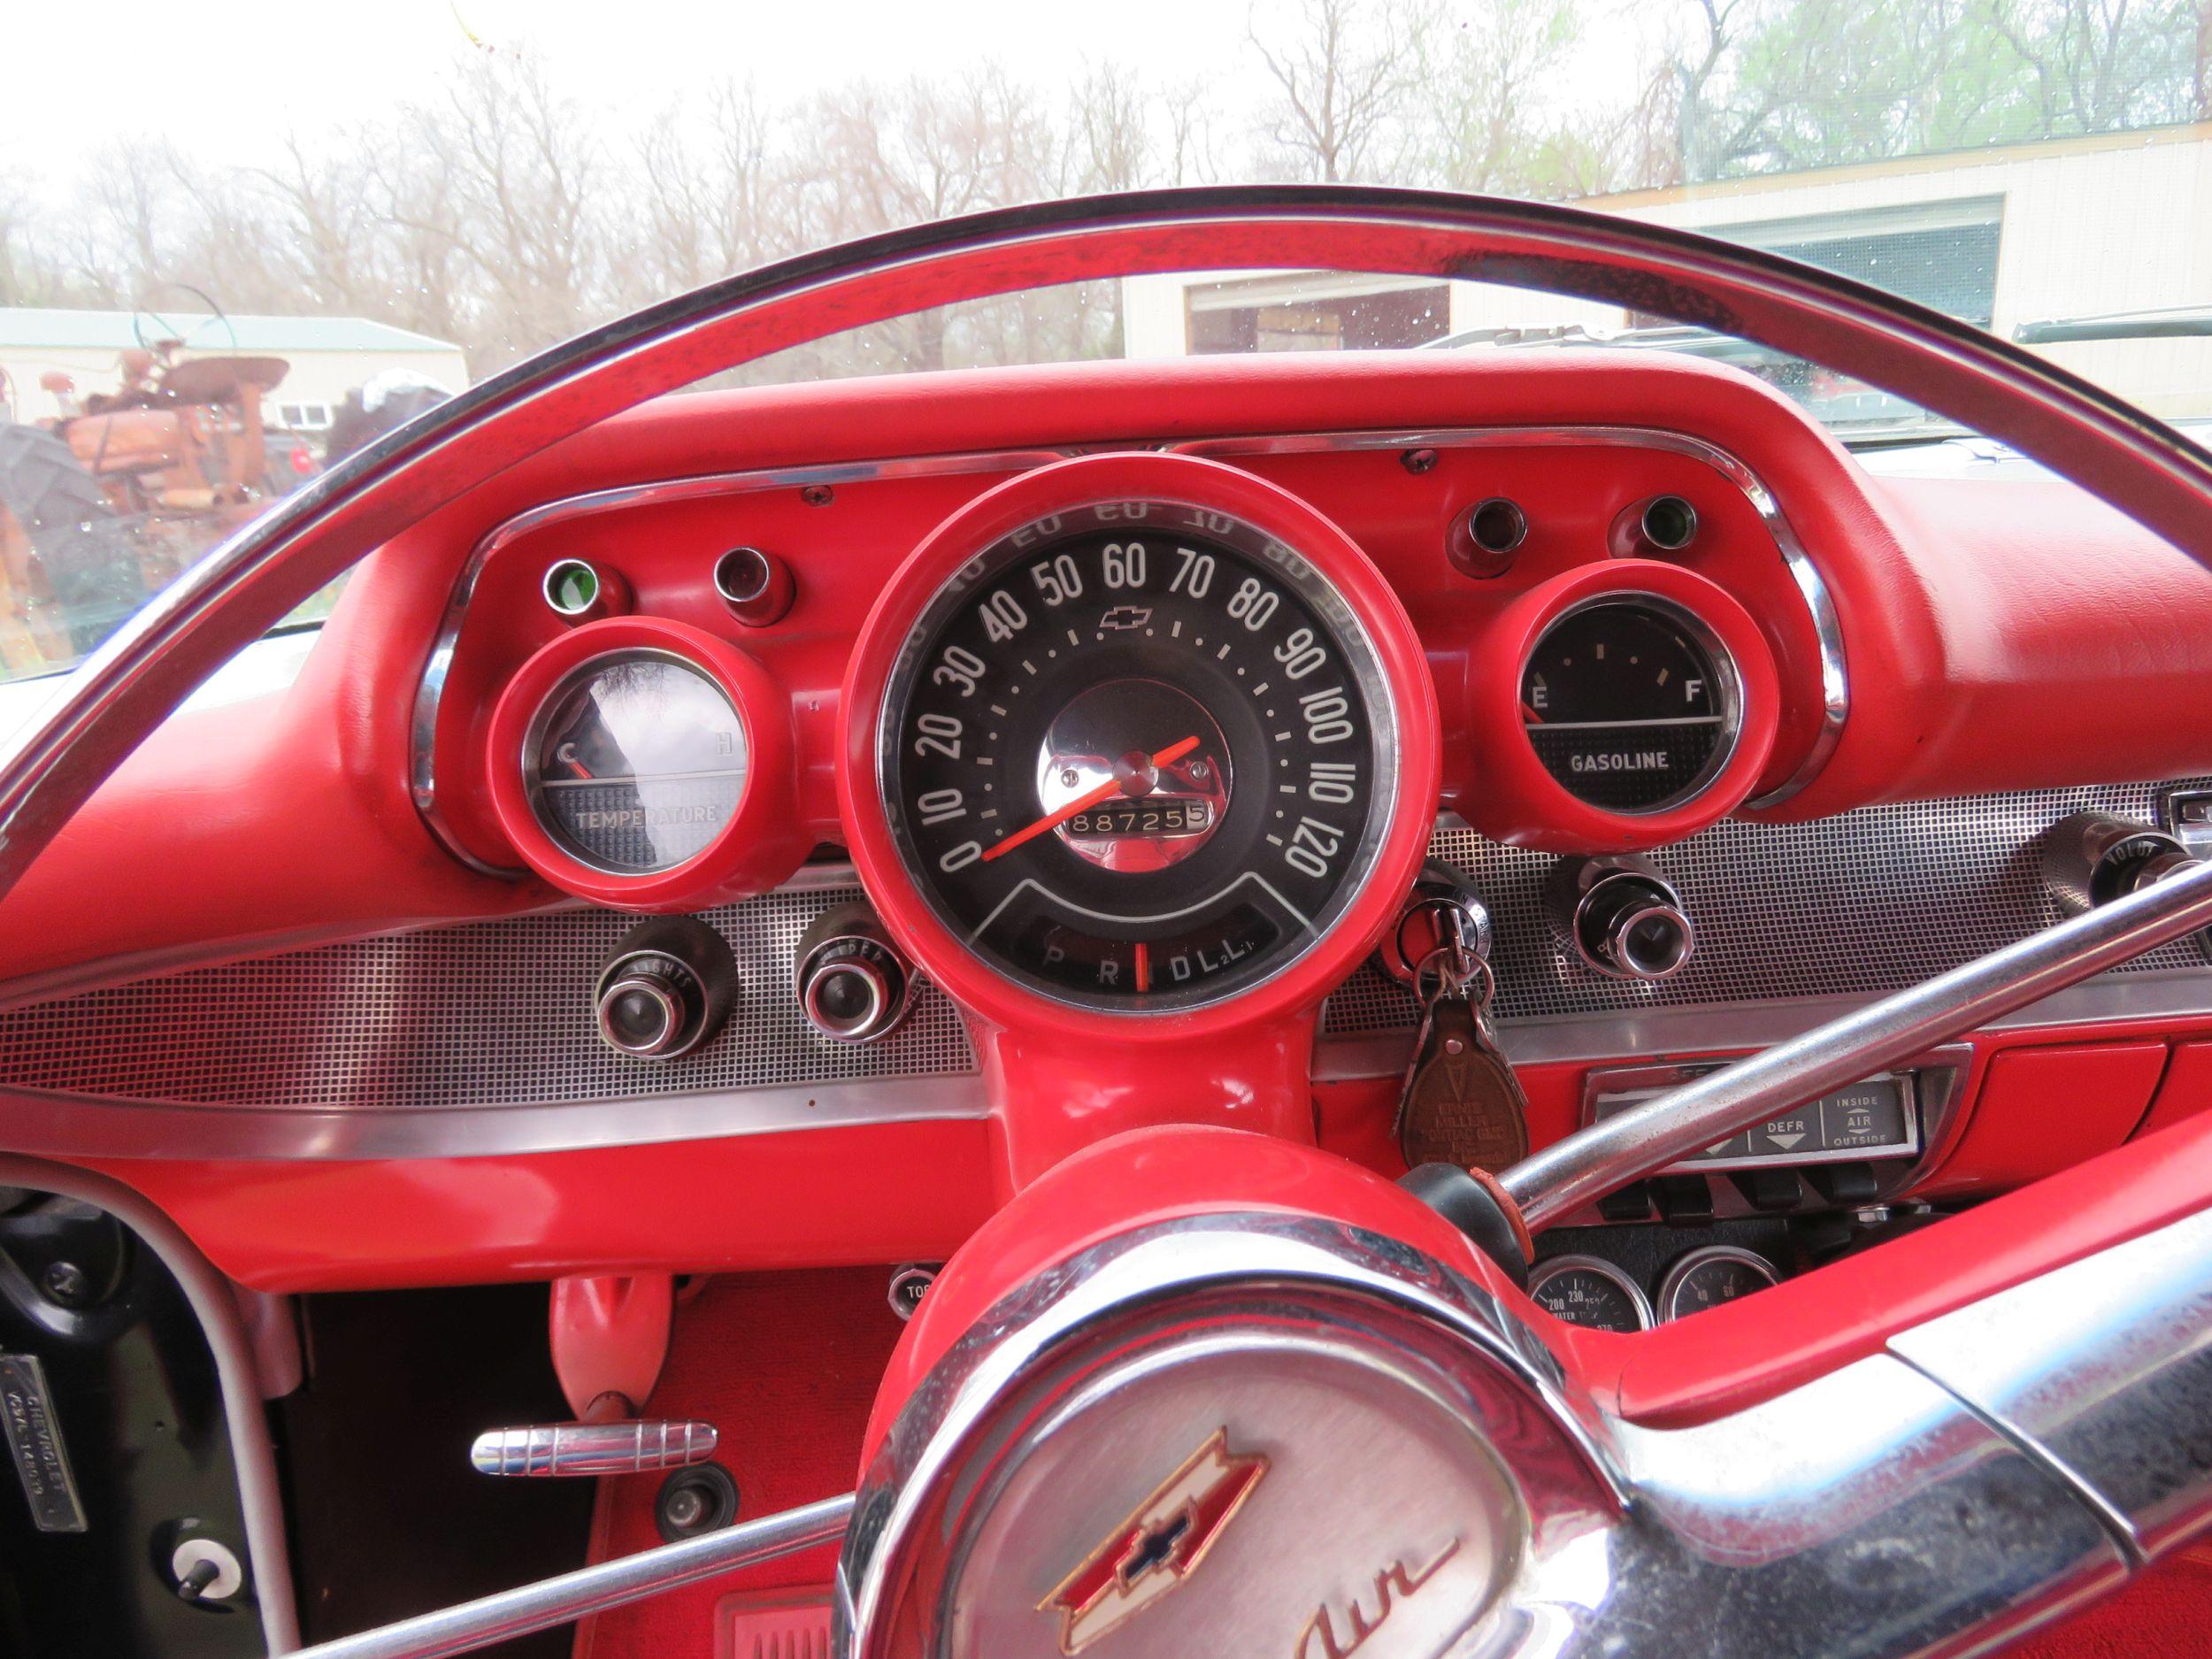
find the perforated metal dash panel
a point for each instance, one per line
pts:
(496, 1013)
(1866, 902)
(489, 1013)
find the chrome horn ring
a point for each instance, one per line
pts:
(1255, 1423)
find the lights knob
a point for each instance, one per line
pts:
(853, 985)
(666, 989)
(1622, 917)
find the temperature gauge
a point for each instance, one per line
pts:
(636, 762)
(1594, 1294)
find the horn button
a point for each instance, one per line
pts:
(1222, 1435)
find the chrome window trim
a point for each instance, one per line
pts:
(1804, 573)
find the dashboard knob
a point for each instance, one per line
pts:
(2093, 858)
(853, 985)
(666, 989)
(645, 1011)
(1624, 918)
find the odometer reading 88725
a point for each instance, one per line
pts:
(1136, 754)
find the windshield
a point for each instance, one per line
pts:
(223, 266)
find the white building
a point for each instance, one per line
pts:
(329, 356)
(2003, 237)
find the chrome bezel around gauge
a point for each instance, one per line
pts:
(1688, 1263)
(702, 848)
(534, 733)
(1256, 550)
(1727, 684)
(1545, 1271)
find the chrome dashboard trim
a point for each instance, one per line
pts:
(1835, 684)
(93, 1078)
(50, 1123)
(53, 1124)
(430, 686)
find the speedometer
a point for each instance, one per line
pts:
(1138, 754)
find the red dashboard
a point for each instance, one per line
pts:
(1851, 644)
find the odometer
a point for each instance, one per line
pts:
(1138, 754)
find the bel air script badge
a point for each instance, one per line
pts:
(1158, 1547)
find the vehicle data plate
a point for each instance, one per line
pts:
(42, 1462)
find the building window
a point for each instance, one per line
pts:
(303, 416)
(1313, 312)
(1943, 254)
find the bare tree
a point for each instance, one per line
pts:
(502, 172)
(1109, 145)
(325, 210)
(709, 205)
(1346, 78)
(1191, 155)
(1489, 125)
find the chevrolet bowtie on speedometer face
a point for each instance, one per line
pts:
(1137, 754)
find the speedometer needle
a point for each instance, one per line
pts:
(1083, 802)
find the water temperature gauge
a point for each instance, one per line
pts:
(1594, 1294)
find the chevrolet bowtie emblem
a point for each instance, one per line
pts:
(1157, 1547)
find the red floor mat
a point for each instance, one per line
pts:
(786, 1366)
(2167, 1611)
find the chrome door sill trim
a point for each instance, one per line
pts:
(1819, 604)
(55, 1125)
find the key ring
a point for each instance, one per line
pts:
(1456, 969)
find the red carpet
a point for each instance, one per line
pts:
(785, 1365)
(2167, 1611)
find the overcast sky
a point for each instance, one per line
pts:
(221, 80)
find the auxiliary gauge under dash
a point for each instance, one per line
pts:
(1630, 703)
